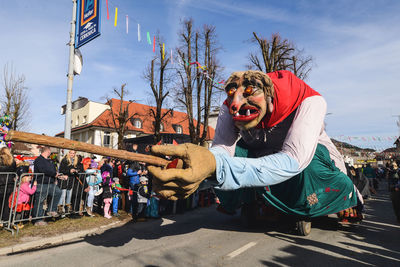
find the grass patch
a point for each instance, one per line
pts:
(56, 227)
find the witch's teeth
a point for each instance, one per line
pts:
(248, 112)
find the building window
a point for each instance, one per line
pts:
(137, 123)
(161, 126)
(84, 119)
(77, 121)
(178, 129)
(107, 139)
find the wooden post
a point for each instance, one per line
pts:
(84, 147)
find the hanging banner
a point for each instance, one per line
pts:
(88, 21)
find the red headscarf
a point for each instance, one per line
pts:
(289, 93)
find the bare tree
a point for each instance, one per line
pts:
(159, 87)
(15, 98)
(279, 54)
(197, 71)
(120, 115)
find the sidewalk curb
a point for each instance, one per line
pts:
(51, 241)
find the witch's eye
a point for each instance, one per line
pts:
(249, 90)
(231, 92)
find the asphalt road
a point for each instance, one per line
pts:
(204, 237)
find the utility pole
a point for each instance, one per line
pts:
(68, 110)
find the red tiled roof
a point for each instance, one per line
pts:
(143, 112)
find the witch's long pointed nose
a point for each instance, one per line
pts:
(237, 101)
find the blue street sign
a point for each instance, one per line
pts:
(88, 21)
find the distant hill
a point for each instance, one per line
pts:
(340, 144)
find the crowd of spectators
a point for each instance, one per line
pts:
(79, 186)
(367, 179)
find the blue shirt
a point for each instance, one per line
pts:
(133, 176)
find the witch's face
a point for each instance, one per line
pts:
(246, 102)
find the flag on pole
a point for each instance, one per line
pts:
(138, 32)
(116, 17)
(127, 24)
(154, 44)
(163, 51)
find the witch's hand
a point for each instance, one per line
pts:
(198, 164)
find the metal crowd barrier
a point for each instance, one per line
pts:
(7, 185)
(14, 214)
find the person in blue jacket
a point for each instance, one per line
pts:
(133, 174)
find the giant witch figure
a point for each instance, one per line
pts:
(269, 137)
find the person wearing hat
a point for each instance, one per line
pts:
(22, 166)
(107, 193)
(94, 180)
(142, 197)
(116, 189)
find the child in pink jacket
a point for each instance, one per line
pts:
(24, 197)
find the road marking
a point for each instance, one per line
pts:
(166, 221)
(241, 250)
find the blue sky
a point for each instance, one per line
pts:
(355, 46)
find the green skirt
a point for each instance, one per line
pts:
(320, 189)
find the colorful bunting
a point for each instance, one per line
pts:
(197, 64)
(366, 138)
(127, 24)
(108, 14)
(205, 73)
(116, 17)
(148, 38)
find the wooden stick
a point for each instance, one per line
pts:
(84, 147)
